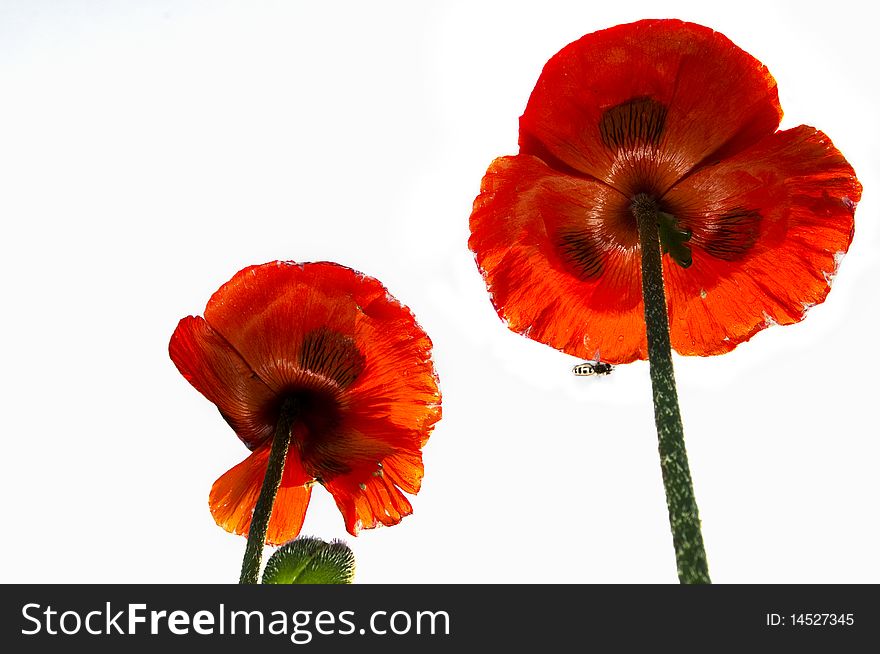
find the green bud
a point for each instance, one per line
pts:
(308, 560)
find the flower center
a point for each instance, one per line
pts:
(586, 248)
(329, 363)
(315, 409)
(673, 238)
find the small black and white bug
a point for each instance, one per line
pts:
(588, 368)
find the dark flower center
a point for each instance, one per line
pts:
(585, 248)
(315, 411)
(633, 131)
(673, 237)
(315, 400)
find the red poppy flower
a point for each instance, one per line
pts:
(677, 112)
(360, 369)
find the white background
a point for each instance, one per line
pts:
(149, 150)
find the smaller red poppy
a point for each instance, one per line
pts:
(356, 363)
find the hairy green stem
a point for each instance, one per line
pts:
(253, 552)
(684, 518)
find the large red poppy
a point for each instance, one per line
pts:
(677, 112)
(360, 369)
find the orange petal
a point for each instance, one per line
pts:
(792, 198)
(398, 385)
(269, 312)
(640, 105)
(328, 453)
(560, 257)
(368, 502)
(405, 470)
(234, 496)
(217, 371)
(266, 311)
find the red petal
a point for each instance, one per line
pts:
(330, 453)
(366, 442)
(801, 194)
(366, 502)
(234, 496)
(581, 296)
(639, 105)
(265, 312)
(216, 370)
(398, 383)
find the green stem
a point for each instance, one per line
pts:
(253, 552)
(684, 518)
